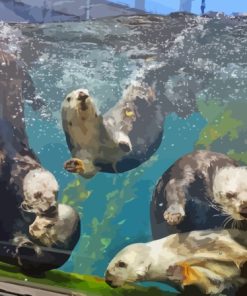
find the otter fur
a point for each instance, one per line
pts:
(113, 142)
(201, 190)
(214, 262)
(28, 191)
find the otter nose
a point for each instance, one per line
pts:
(82, 96)
(107, 274)
(109, 282)
(108, 278)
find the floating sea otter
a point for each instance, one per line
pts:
(120, 140)
(30, 217)
(214, 262)
(201, 190)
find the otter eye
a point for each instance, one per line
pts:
(121, 264)
(68, 99)
(49, 226)
(231, 195)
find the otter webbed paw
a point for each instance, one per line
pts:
(123, 142)
(174, 214)
(74, 165)
(175, 274)
(184, 274)
(124, 146)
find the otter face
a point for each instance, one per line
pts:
(230, 191)
(43, 230)
(80, 102)
(40, 192)
(128, 266)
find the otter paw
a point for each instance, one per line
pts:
(74, 165)
(189, 274)
(184, 274)
(173, 215)
(123, 141)
(124, 146)
(175, 273)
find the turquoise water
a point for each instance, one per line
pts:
(131, 223)
(114, 208)
(188, 72)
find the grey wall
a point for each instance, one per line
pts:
(61, 10)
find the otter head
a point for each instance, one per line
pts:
(43, 230)
(128, 266)
(40, 190)
(79, 103)
(230, 191)
(56, 230)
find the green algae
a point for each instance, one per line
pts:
(85, 284)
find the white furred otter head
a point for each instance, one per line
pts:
(40, 190)
(81, 125)
(130, 265)
(230, 191)
(55, 230)
(79, 105)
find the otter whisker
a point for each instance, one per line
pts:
(211, 203)
(239, 224)
(225, 224)
(227, 220)
(233, 224)
(222, 210)
(216, 206)
(221, 214)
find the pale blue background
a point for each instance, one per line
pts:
(166, 6)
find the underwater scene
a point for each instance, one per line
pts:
(123, 148)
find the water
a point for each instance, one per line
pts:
(82, 56)
(209, 61)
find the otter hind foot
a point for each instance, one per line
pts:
(74, 165)
(123, 142)
(124, 146)
(190, 275)
(174, 215)
(184, 274)
(175, 274)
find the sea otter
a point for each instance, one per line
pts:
(214, 262)
(114, 142)
(201, 190)
(16, 85)
(28, 191)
